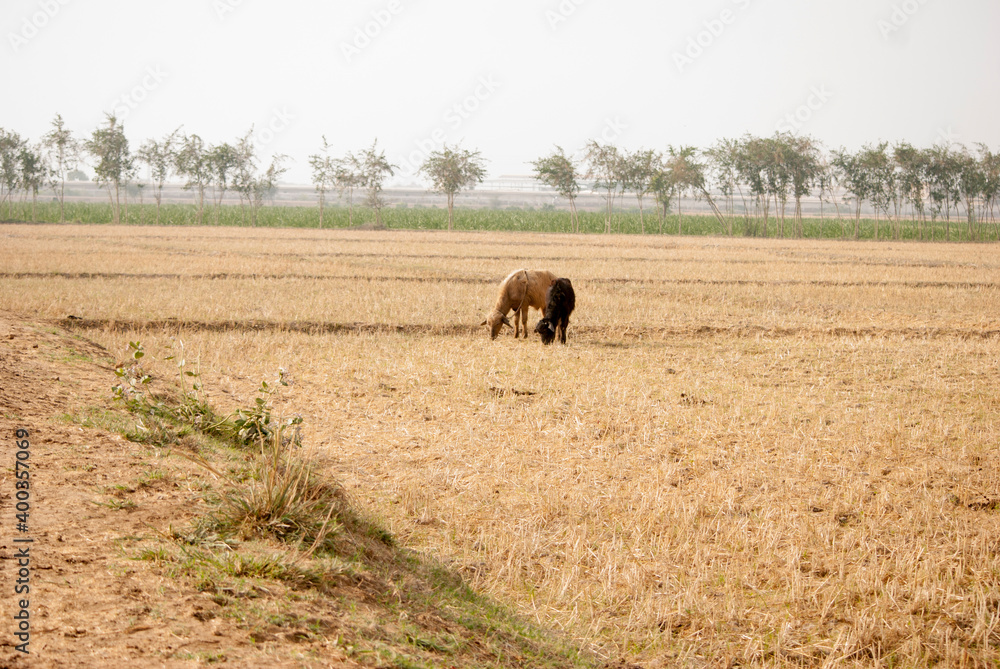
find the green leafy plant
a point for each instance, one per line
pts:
(132, 378)
(255, 425)
(250, 426)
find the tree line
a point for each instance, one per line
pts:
(209, 170)
(747, 182)
(751, 180)
(450, 170)
(27, 168)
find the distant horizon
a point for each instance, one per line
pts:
(946, 139)
(587, 200)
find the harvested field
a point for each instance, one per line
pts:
(752, 452)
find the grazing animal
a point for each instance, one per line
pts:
(521, 290)
(559, 303)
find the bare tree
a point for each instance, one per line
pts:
(752, 162)
(64, 154)
(971, 185)
(943, 183)
(829, 190)
(221, 161)
(34, 173)
(604, 167)
(324, 174)
(662, 186)
(11, 145)
(374, 169)
(451, 170)
(347, 176)
(912, 165)
(687, 173)
(682, 172)
(558, 171)
(265, 185)
(115, 164)
(804, 168)
(991, 186)
(852, 175)
(191, 162)
(722, 158)
(159, 157)
(252, 185)
(880, 175)
(640, 168)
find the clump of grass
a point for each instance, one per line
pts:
(285, 497)
(155, 430)
(240, 565)
(116, 504)
(150, 479)
(157, 555)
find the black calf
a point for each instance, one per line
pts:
(559, 303)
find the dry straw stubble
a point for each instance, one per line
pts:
(770, 451)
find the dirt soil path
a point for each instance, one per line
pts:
(91, 604)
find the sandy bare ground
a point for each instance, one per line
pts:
(91, 605)
(98, 501)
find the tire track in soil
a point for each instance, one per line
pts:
(596, 334)
(239, 276)
(769, 260)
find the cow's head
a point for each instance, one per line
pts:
(495, 321)
(546, 330)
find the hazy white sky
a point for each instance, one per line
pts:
(510, 78)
